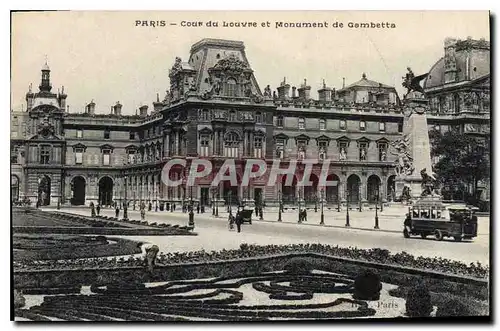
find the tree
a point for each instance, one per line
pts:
(463, 159)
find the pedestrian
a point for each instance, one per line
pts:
(304, 216)
(198, 209)
(150, 253)
(92, 209)
(117, 211)
(98, 209)
(143, 211)
(239, 220)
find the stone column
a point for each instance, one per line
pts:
(245, 143)
(215, 140)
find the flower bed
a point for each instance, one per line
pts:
(370, 255)
(33, 249)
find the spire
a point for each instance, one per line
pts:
(324, 84)
(343, 82)
(45, 83)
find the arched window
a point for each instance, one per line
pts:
(231, 145)
(232, 116)
(231, 88)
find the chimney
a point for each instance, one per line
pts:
(143, 111)
(90, 109)
(343, 82)
(450, 62)
(304, 91)
(325, 93)
(283, 90)
(294, 92)
(157, 105)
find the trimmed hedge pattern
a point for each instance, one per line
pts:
(135, 302)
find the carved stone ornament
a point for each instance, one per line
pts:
(230, 63)
(45, 128)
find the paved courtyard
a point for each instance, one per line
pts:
(213, 233)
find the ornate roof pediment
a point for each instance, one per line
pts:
(205, 130)
(79, 145)
(363, 140)
(302, 137)
(382, 140)
(106, 146)
(323, 137)
(281, 136)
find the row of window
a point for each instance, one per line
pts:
(231, 146)
(231, 116)
(342, 124)
(323, 147)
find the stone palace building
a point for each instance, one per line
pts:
(215, 109)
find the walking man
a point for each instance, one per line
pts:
(98, 209)
(150, 252)
(92, 209)
(117, 211)
(143, 211)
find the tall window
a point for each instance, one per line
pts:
(257, 147)
(205, 115)
(45, 154)
(132, 136)
(363, 150)
(280, 148)
(232, 116)
(301, 149)
(362, 125)
(79, 156)
(279, 121)
(258, 117)
(382, 152)
(456, 102)
(79, 133)
(381, 126)
(13, 154)
(342, 125)
(231, 145)
(106, 157)
(322, 124)
(131, 156)
(302, 123)
(204, 145)
(106, 134)
(322, 146)
(231, 88)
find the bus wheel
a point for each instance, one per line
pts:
(423, 235)
(458, 238)
(439, 235)
(406, 234)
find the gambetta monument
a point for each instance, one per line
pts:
(414, 176)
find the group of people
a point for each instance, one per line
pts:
(154, 257)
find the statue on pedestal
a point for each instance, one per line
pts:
(428, 181)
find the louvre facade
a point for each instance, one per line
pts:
(215, 109)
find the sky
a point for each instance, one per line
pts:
(103, 56)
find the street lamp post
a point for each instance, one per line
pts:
(125, 204)
(300, 213)
(347, 224)
(279, 206)
(322, 222)
(376, 210)
(382, 204)
(213, 201)
(360, 200)
(191, 208)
